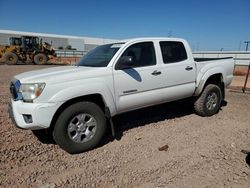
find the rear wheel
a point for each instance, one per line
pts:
(40, 59)
(209, 101)
(80, 127)
(10, 58)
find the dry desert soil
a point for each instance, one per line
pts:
(162, 146)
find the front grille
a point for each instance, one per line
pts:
(14, 90)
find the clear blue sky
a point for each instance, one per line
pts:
(206, 24)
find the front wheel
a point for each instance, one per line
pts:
(40, 59)
(10, 58)
(80, 127)
(209, 101)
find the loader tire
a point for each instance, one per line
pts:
(10, 58)
(40, 59)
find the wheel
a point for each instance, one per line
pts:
(40, 59)
(80, 127)
(10, 58)
(209, 101)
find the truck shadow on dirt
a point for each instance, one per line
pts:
(247, 159)
(138, 118)
(153, 114)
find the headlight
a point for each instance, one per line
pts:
(31, 91)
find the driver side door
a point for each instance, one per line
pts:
(138, 86)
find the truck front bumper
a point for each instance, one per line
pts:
(32, 115)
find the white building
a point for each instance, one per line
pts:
(79, 43)
(88, 43)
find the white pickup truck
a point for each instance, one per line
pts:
(75, 102)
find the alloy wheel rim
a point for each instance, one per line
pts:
(82, 128)
(212, 101)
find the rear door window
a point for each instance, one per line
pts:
(173, 52)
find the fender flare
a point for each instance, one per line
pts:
(203, 78)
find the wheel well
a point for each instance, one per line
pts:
(95, 98)
(216, 79)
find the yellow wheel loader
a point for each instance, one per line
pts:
(25, 49)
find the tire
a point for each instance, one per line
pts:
(10, 58)
(80, 127)
(209, 101)
(40, 59)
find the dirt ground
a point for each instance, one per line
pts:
(201, 152)
(239, 81)
(240, 70)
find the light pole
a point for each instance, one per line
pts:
(245, 85)
(247, 42)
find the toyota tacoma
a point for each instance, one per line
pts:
(76, 103)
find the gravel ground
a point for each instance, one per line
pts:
(162, 146)
(239, 81)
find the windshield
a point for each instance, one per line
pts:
(100, 56)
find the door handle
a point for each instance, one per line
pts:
(156, 72)
(188, 68)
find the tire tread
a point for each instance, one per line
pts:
(64, 141)
(200, 102)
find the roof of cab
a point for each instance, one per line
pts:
(150, 39)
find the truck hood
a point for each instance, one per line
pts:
(60, 74)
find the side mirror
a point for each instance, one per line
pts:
(125, 62)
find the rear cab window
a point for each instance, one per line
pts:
(173, 51)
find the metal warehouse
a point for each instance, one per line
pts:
(58, 41)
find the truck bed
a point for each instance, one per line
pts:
(223, 65)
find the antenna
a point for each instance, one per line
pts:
(170, 33)
(247, 42)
